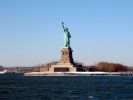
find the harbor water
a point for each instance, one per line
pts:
(18, 87)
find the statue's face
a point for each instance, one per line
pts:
(66, 29)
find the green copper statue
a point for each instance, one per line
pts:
(67, 36)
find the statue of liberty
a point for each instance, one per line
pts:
(67, 36)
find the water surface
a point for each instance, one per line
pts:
(15, 87)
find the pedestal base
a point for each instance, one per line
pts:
(61, 67)
(66, 63)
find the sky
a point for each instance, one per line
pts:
(31, 31)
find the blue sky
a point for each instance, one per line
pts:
(31, 31)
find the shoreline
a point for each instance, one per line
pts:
(78, 73)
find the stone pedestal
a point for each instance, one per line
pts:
(66, 56)
(66, 63)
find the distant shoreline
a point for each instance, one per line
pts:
(77, 73)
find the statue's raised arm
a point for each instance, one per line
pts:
(63, 26)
